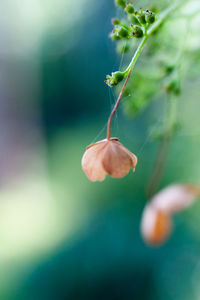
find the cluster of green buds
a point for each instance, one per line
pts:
(135, 26)
(138, 22)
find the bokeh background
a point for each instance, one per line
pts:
(61, 236)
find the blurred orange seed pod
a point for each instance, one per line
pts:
(156, 226)
(156, 221)
(175, 198)
(107, 157)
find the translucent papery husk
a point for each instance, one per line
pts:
(156, 223)
(117, 160)
(175, 198)
(156, 226)
(107, 157)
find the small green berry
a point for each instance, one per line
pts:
(169, 68)
(114, 36)
(129, 8)
(115, 21)
(150, 17)
(173, 86)
(123, 32)
(133, 20)
(137, 31)
(121, 3)
(118, 76)
(142, 18)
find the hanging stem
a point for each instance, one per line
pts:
(128, 73)
(116, 105)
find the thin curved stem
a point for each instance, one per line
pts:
(116, 104)
(128, 73)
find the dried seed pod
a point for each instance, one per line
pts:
(156, 221)
(107, 157)
(175, 198)
(155, 226)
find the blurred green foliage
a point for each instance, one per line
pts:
(63, 237)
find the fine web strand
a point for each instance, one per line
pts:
(99, 134)
(146, 141)
(122, 56)
(112, 100)
(116, 120)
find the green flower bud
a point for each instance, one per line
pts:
(169, 68)
(150, 17)
(123, 32)
(129, 8)
(118, 76)
(114, 36)
(173, 86)
(142, 18)
(133, 20)
(115, 21)
(114, 79)
(121, 3)
(137, 31)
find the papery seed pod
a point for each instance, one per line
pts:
(107, 157)
(155, 226)
(156, 221)
(175, 198)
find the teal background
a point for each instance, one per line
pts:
(61, 236)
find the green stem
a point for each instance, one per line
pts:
(136, 55)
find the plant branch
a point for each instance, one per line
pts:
(116, 104)
(130, 67)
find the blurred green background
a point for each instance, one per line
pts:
(61, 236)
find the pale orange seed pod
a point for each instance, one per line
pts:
(107, 157)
